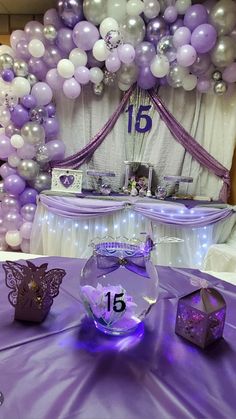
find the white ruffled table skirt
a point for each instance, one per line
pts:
(58, 235)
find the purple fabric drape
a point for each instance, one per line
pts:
(192, 146)
(171, 214)
(75, 161)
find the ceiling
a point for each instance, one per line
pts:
(15, 7)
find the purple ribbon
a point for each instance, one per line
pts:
(109, 264)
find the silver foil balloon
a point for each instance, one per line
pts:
(176, 75)
(223, 16)
(133, 30)
(20, 68)
(98, 89)
(33, 133)
(165, 46)
(28, 169)
(32, 79)
(223, 53)
(128, 74)
(70, 11)
(6, 62)
(50, 32)
(220, 88)
(42, 182)
(95, 10)
(217, 75)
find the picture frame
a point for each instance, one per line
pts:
(67, 180)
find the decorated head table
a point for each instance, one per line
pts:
(104, 43)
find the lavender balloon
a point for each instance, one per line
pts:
(186, 55)
(204, 38)
(70, 11)
(28, 211)
(34, 30)
(52, 56)
(65, 40)
(11, 130)
(14, 185)
(51, 110)
(203, 85)
(54, 80)
(92, 62)
(6, 170)
(85, 34)
(156, 29)
(195, 15)
(6, 148)
(28, 151)
(146, 80)
(56, 150)
(51, 17)
(182, 36)
(12, 221)
(43, 93)
(22, 50)
(10, 204)
(113, 62)
(71, 88)
(82, 75)
(176, 25)
(229, 74)
(144, 53)
(28, 101)
(51, 128)
(201, 65)
(38, 68)
(7, 75)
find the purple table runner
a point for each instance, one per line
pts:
(65, 369)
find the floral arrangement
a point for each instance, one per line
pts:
(138, 185)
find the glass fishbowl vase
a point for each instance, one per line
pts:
(119, 285)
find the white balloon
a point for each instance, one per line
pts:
(36, 48)
(135, 7)
(21, 87)
(96, 75)
(190, 82)
(5, 116)
(17, 141)
(78, 57)
(14, 160)
(116, 9)
(124, 87)
(160, 66)
(151, 8)
(5, 49)
(13, 238)
(108, 24)
(182, 6)
(100, 51)
(66, 69)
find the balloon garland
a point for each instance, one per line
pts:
(103, 42)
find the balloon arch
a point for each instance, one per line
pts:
(102, 42)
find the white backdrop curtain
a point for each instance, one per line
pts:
(208, 118)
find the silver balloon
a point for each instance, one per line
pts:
(217, 75)
(223, 53)
(223, 16)
(128, 74)
(133, 30)
(165, 46)
(95, 10)
(176, 75)
(32, 79)
(38, 114)
(33, 133)
(42, 182)
(1, 187)
(220, 88)
(50, 32)
(98, 89)
(20, 68)
(28, 169)
(6, 62)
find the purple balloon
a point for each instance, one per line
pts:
(51, 128)
(43, 93)
(51, 17)
(146, 80)
(17, 36)
(56, 150)
(29, 196)
(229, 74)
(182, 36)
(28, 151)
(71, 88)
(126, 53)
(113, 62)
(52, 56)
(22, 50)
(82, 75)
(54, 80)
(170, 14)
(195, 15)
(176, 25)
(85, 34)
(156, 29)
(38, 68)
(201, 65)
(144, 53)
(25, 230)
(12, 221)
(186, 55)
(203, 38)
(28, 101)
(65, 40)
(6, 170)
(14, 184)
(25, 246)
(7, 75)
(70, 11)
(19, 116)
(10, 204)
(28, 211)
(6, 148)
(51, 110)
(203, 85)
(34, 30)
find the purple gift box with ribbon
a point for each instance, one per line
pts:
(32, 289)
(201, 317)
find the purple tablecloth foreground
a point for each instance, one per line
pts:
(65, 369)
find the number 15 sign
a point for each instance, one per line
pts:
(143, 122)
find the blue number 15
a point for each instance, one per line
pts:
(143, 121)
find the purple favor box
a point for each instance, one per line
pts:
(201, 317)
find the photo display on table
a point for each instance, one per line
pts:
(67, 180)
